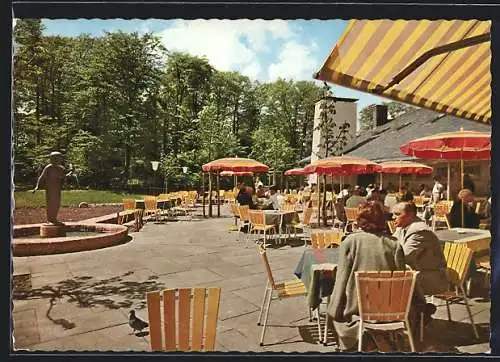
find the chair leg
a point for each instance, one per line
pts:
(360, 336)
(448, 310)
(470, 315)
(421, 327)
(410, 336)
(310, 314)
(270, 297)
(319, 324)
(433, 223)
(266, 291)
(327, 319)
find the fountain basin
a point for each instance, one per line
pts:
(79, 237)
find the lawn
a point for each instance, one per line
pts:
(70, 198)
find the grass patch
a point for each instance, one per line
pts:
(70, 198)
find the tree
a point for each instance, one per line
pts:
(394, 109)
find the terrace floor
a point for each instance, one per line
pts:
(80, 301)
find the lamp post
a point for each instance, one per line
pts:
(154, 165)
(184, 170)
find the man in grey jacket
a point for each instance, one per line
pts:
(423, 252)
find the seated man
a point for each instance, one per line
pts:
(471, 219)
(356, 199)
(273, 203)
(422, 251)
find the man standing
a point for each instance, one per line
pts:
(422, 251)
(437, 190)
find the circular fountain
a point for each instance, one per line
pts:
(79, 236)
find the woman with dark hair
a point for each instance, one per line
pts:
(368, 249)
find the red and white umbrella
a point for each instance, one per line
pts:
(404, 168)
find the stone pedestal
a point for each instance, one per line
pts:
(52, 231)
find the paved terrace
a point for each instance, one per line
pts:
(81, 301)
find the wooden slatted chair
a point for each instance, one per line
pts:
(276, 291)
(258, 224)
(128, 210)
(151, 206)
(304, 225)
(189, 319)
(458, 257)
(288, 206)
(441, 211)
(244, 212)
(419, 203)
(384, 300)
(328, 239)
(351, 215)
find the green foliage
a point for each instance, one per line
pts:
(394, 109)
(111, 100)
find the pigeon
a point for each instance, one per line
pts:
(135, 323)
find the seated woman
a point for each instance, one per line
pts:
(368, 249)
(471, 219)
(406, 194)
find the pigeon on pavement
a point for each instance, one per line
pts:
(135, 323)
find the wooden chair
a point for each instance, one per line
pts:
(128, 209)
(276, 291)
(304, 225)
(391, 224)
(458, 257)
(322, 240)
(151, 206)
(258, 224)
(419, 203)
(244, 213)
(441, 211)
(182, 330)
(384, 300)
(351, 215)
(288, 206)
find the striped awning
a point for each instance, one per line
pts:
(442, 65)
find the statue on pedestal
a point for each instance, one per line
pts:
(51, 180)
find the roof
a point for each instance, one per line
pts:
(442, 65)
(382, 143)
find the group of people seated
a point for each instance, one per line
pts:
(264, 198)
(373, 248)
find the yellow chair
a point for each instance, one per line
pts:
(321, 240)
(188, 325)
(384, 300)
(128, 210)
(351, 215)
(304, 225)
(151, 206)
(458, 257)
(276, 291)
(258, 224)
(441, 211)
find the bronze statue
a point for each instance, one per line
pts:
(51, 180)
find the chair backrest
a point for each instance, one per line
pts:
(321, 240)
(269, 272)
(391, 224)
(441, 209)
(418, 201)
(192, 328)
(351, 213)
(244, 211)
(307, 215)
(257, 217)
(288, 206)
(128, 204)
(458, 257)
(234, 209)
(384, 295)
(150, 203)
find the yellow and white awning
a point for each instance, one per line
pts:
(443, 65)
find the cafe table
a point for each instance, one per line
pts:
(280, 218)
(318, 281)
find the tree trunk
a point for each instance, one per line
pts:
(325, 215)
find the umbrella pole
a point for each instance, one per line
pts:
(235, 179)
(381, 181)
(448, 183)
(462, 181)
(325, 216)
(286, 184)
(218, 194)
(203, 192)
(400, 181)
(209, 193)
(332, 203)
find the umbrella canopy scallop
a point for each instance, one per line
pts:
(342, 166)
(405, 167)
(234, 173)
(236, 165)
(295, 172)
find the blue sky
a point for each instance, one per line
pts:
(263, 50)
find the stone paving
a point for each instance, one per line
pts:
(80, 301)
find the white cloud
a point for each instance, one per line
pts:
(295, 61)
(227, 44)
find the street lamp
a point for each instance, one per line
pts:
(154, 165)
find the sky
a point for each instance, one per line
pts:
(260, 49)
